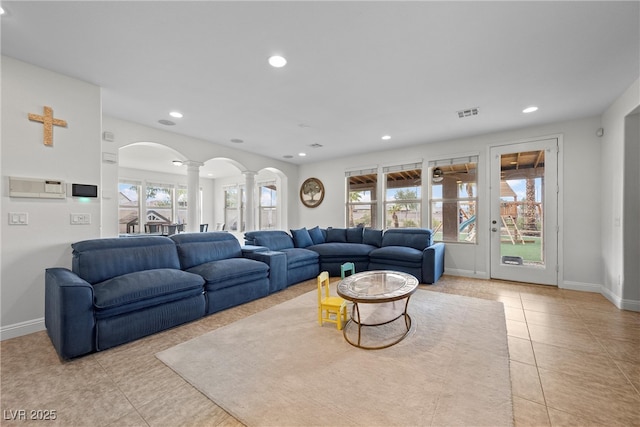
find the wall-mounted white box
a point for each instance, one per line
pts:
(37, 188)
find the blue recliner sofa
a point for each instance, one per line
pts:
(230, 278)
(119, 290)
(122, 289)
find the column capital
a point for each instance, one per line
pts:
(192, 164)
(249, 173)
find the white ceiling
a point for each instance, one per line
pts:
(356, 70)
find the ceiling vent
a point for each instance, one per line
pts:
(469, 112)
(316, 145)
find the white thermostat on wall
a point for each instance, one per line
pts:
(37, 188)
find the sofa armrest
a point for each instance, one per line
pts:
(68, 313)
(247, 249)
(277, 262)
(433, 263)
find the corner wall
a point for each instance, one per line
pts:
(612, 178)
(631, 213)
(27, 250)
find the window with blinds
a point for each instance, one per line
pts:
(454, 199)
(403, 195)
(268, 205)
(159, 203)
(361, 203)
(129, 206)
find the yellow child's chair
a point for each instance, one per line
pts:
(330, 309)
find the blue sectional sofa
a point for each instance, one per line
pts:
(410, 250)
(121, 289)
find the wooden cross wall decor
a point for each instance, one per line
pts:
(48, 121)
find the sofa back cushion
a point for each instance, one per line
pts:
(276, 240)
(199, 248)
(301, 238)
(317, 235)
(336, 235)
(372, 237)
(97, 260)
(354, 234)
(417, 238)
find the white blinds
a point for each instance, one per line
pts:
(453, 161)
(400, 168)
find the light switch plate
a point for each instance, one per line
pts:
(80, 218)
(18, 218)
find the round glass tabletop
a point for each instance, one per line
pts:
(377, 286)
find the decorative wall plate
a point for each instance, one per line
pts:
(312, 192)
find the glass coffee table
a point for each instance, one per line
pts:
(377, 287)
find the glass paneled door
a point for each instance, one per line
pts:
(524, 212)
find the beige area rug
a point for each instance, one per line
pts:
(280, 368)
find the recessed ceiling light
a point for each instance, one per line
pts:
(1, 11)
(176, 114)
(287, 156)
(237, 141)
(386, 137)
(302, 154)
(166, 122)
(177, 162)
(530, 109)
(277, 61)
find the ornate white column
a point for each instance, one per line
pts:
(193, 195)
(250, 189)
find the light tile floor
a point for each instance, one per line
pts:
(575, 361)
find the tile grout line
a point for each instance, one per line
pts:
(535, 360)
(610, 356)
(115, 383)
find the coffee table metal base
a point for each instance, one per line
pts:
(356, 310)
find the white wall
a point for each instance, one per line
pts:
(27, 250)
(76, 157)
(592, 194)
(580, 196)
(631, 214)
(198, 150)
(613, 203)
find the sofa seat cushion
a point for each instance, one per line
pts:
(299, 257)
(226, 273)
(342, 251)
(142, 289)
(398, 255)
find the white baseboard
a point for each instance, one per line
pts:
(623, 304)
(466, 273)
(582, 286)
(615, 299)
(630, 304)
(22, 328)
